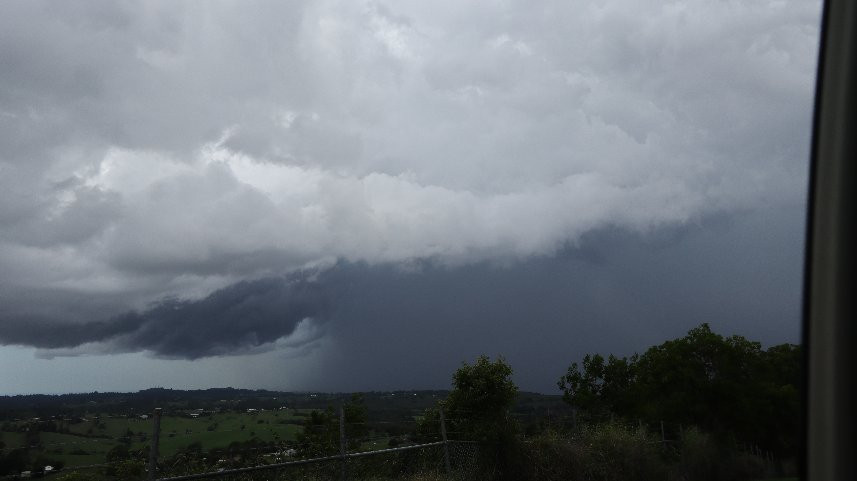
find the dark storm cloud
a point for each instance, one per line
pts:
(159, 147)
(615, 292)
(618, 293)
(447, 158)
(238, 318)
(233, 320)
(44, 333)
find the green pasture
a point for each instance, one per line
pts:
(89, 442)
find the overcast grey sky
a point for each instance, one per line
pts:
(353, 195)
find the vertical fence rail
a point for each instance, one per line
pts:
(342, 446)
(574, 419)
(445, 443)
(153, 447)
(342, 457)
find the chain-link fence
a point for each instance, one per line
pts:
(269, 446)
(422, 462)
(366, 450)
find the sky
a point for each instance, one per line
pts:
(362, 195)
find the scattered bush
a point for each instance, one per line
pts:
(614, 453)
(611, 452)
(77, 476)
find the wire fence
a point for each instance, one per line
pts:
(401, 448)
(359, 457)
(423, 461)
(382, 447)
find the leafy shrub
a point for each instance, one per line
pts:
(700, 458)
(76, 476)
(551, 456)
(703, 459)
(744, 467)
(604, 452)
(612, 452)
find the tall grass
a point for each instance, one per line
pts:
(610, 452)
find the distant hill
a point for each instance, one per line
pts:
(140, 402)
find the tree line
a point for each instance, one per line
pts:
(724, 391)
(728, 386)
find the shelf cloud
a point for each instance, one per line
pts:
(181, 179)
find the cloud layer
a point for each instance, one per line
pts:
(246, 317)
(169, 151)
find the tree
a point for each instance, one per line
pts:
(320, 436)
(118, 453)
(598, 387)
(14, 461)
(478, 405)
(727, 385)
(703, 379)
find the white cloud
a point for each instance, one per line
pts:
(170, 149)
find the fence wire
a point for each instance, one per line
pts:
(368, 447)
(419, 462)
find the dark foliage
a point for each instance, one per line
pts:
(728, 386)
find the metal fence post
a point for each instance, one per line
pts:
(342, 440)
(153, 447)
(445, 443)
(663, 436)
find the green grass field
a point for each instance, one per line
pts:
(221, 429)
(89, 442)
